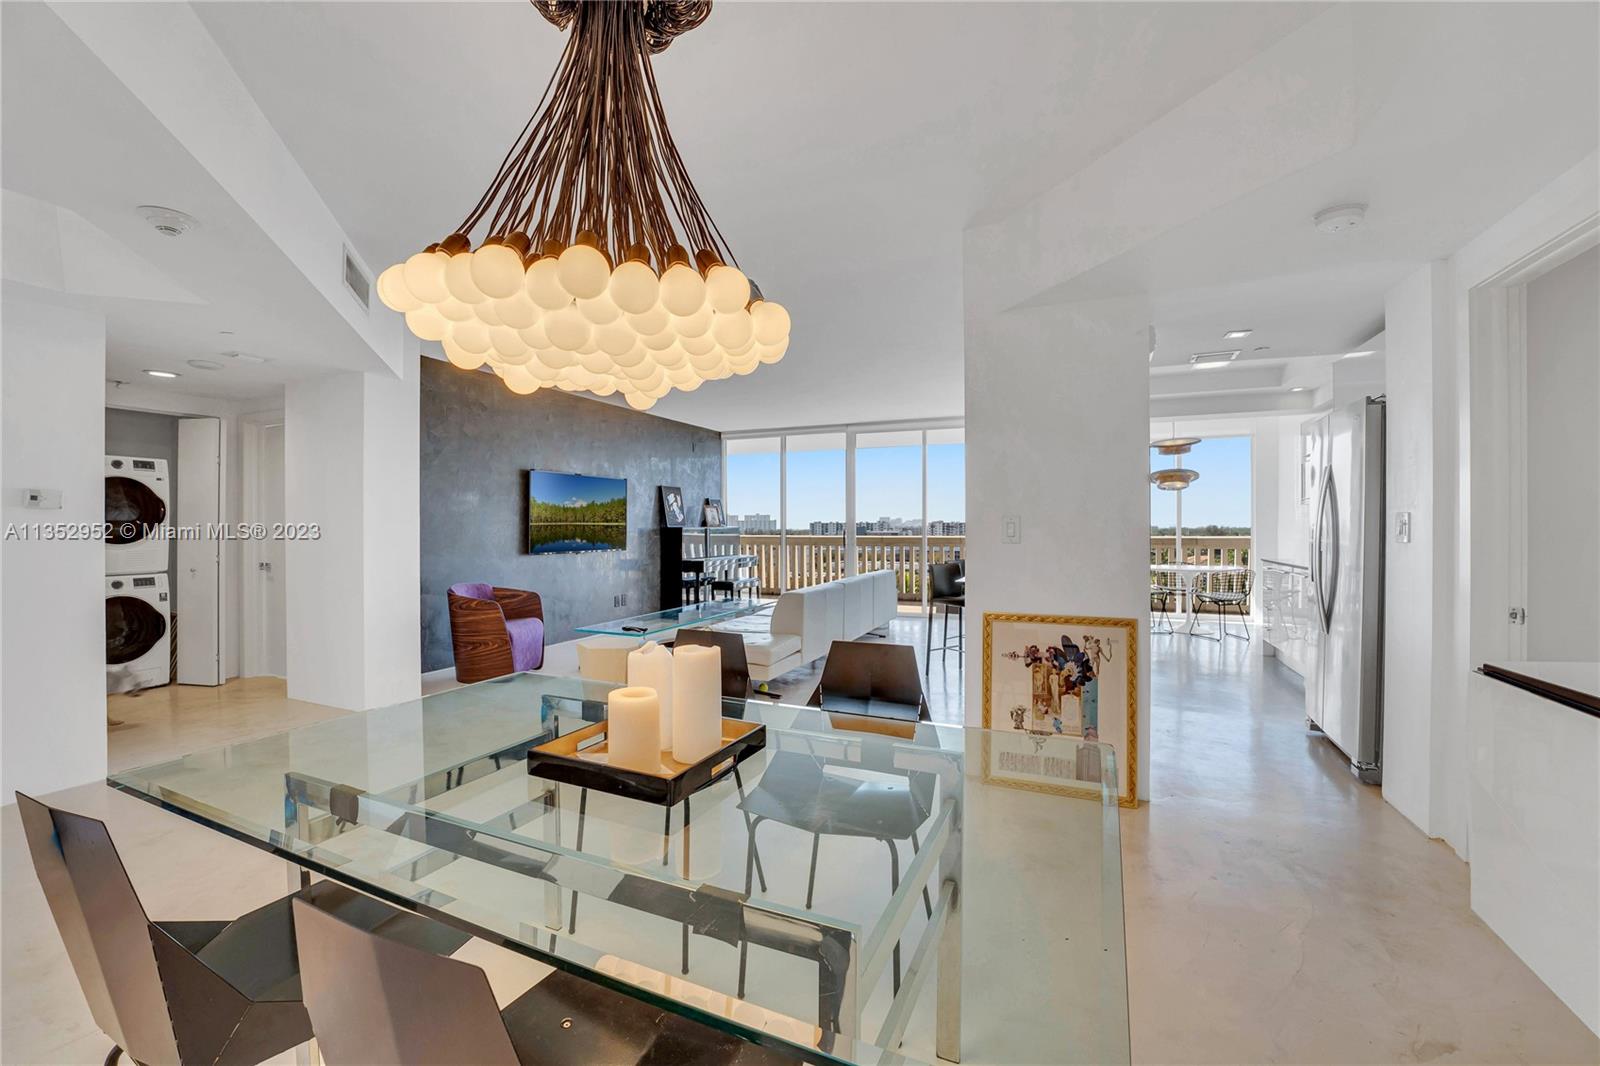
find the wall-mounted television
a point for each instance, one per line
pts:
(576, 513)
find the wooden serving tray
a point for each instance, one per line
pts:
(579, 758)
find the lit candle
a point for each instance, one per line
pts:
(697, 708)
(633, 729)
(650, 666)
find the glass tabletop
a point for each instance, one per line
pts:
(644, 626)
(855, 885)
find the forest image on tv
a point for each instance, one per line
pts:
(576, 513)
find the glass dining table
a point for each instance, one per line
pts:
(856, 891)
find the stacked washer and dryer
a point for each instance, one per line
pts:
(138, 590)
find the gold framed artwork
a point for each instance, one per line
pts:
(1060, 676)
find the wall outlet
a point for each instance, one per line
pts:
(620, 600)
(1011, 529)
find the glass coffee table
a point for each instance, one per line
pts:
(646, 626)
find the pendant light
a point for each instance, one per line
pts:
(1174, 478)
(600, 268)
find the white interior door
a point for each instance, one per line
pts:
(198, 592)
(269, 562)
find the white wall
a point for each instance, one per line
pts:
(52, 608)
(1417, 594)
(351, 465)
(1563, 501)
(1057, 411)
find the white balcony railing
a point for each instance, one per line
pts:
(807, 560)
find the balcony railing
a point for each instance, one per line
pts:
(811, 560)
(1198, 551)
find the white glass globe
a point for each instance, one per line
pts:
(583, 271)
(653, 381)
(393, 292)
(535, 336)
(701, 345)
(695, 325)
(639, 401)
(427, 323)
(456, 311)
(424, 277)
(536, 368)
(459, 357)
(458, 279)
(497, 270)
(654, 320)
(744, 364)
(471, 337)
(597, 363)
(520, 381)
(604, 385)
(732, 330)
(771, 321)
(705, 362)
(556, 358)
(543, 285)
(567, 329)
(599, 310)
(486, 312)
(635, 287)
(671, 357)
(507, 341)
(771, 353)
(659, 342)
(692, 384)
(516, 311)
(632, 357)
(683, 290)
(640, 371)
(727, 289)
(616, 338)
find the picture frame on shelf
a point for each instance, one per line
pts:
(711, 512)
(673, 513)
(1067, 676)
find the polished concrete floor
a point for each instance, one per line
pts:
(1276, 909)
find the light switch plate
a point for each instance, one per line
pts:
(1402, 527)
(1011, 528)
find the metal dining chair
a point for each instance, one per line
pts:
(873, 679)
(168, 992)
(373, 999)
(1223, 589)
(1161, 604)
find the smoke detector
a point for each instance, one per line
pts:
(167, 221)
(1340, 218)
(243, 358)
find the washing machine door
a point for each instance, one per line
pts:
(133, 627)
(133, 510)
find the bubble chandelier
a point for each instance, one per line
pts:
(584, 280)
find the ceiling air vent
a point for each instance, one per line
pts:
(357, 281)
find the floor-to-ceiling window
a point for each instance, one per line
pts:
(819, 504)
(815, 510)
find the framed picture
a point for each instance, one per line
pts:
(672, 512)
(712, 512)
(1060, 676)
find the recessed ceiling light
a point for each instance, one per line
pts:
(1297, 388)
(161, 373)
(1207, 360)
(1237, 334)
(1358, 355)
(205, 364)
(167, 221)
(1339, 218)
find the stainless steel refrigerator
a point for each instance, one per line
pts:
(1344, 685)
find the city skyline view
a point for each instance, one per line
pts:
(888, 484)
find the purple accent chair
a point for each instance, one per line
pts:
(495, 631)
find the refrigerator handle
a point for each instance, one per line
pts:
(1326, 577)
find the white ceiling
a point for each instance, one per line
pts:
(844, 149)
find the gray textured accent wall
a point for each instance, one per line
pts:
(478, 442)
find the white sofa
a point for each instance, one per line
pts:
(806, 622)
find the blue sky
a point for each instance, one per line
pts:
(1220, 496)
(888, 483)
(573, 488)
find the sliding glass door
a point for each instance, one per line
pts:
(814, 521)
(752, 474)
(889, 507)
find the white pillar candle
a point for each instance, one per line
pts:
(697, 707)
(633, 729)
(650, 666)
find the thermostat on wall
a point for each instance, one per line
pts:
(42, 499)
